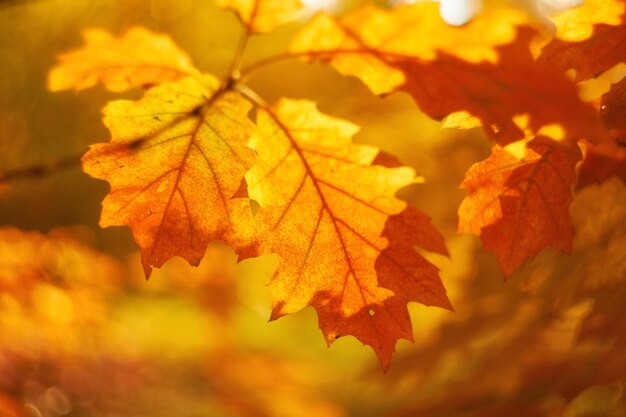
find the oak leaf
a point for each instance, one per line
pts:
(345, 242)
(176, 159)
(138, 58)
(484, 68)
(263, 15)
(520, 205)
(589, 53)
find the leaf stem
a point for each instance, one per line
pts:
(41, 170)
(250, 95)
(255, 66)
(233, 69)
(324, 54)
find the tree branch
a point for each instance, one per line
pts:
(40, 170)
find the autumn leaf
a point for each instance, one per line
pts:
(332, 218)
(519, 206)
(602, 161)
(553, 319)
(51, 285)
(484, 68)
(263, 15)
(176, 159)
(589, 52)
(30, 259)
(138, 58)
(578, 23)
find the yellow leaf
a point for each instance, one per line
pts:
(578, 24)
(360, 41)
(263, 15)
(176, 159)
(139, 58)
(590, 39)
(484, 69)
(345, 242)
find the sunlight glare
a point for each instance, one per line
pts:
(315, 5)
(551, 7)
(453, 12)
(458, 12)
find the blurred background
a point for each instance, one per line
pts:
(83, 334)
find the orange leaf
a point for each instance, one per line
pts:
(263, 15)
(520, 206)
(345, 242)
(600, 50)
(138, 58)
(176, 159)
(483, 68)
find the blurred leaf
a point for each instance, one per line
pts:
(263, 15)
(411, 49)
(139, 58)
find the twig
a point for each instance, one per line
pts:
(40, 170)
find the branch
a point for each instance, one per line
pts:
(40, 170)
(233, 70)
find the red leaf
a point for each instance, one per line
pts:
(520, 206)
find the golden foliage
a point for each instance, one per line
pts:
(138, 58)
(589, 52)
(199, 159)
(175, 162)
(324, 208)
(577, 24)
(69, 326)
(485, 69)
(550, 342)
(263, 15)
